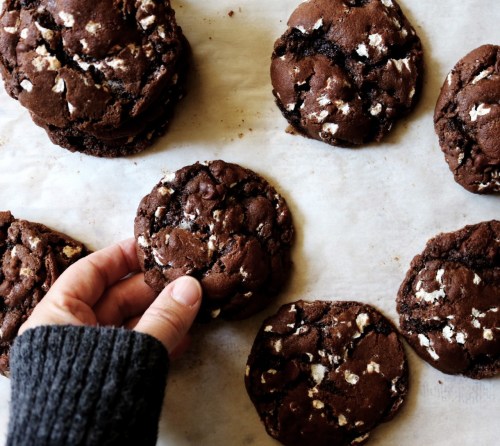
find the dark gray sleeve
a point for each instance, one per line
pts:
(86, 385)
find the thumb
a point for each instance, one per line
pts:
(171, 315)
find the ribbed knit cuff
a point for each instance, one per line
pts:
(86, 385)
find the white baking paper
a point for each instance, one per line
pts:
(360, 214)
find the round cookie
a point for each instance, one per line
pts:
(32, 257)
(467, 120)
(224, 225)
(346, 70)
(450, 298)
(326, 373)
(102, 80)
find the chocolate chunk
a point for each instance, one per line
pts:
(345, 71)
(32, 256)
(467, 120)
(449, 301)
(326, 373)
(224, 225)
(102, 80)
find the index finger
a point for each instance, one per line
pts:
(87, 279)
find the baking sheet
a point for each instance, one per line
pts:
(360, 214)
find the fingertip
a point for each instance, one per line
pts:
(171, 315)
(186, 291)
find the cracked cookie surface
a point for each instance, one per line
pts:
(449, 301)
(101, 80)
(224, 225)
(345, 71)
(326, 373)
(32, 256)
(467, 120)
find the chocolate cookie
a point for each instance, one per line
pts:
(467, 120)
(32, 257)
(102, 80)
(326, 373)
(222, 224)
(346, 70)
(449, 301)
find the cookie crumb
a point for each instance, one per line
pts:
(230, 13)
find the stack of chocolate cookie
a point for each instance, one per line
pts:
(102, 80)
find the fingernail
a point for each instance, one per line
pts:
(186, 291)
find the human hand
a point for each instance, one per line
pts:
(101, 289)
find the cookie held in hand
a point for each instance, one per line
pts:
(326, 373)
(223, 224)
(32, 257)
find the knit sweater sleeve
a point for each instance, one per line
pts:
(86, 386)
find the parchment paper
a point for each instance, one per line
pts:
(360, 214)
